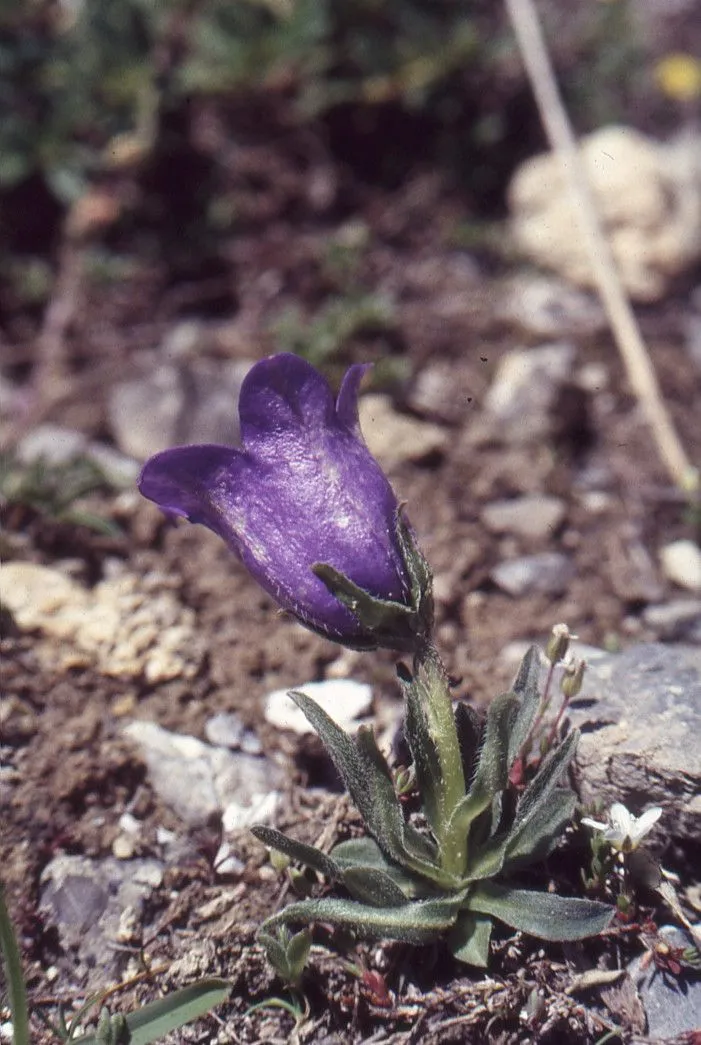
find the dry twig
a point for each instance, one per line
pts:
(641, 374)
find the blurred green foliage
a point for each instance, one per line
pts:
(88, 88)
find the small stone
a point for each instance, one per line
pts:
(533, 517)
(393, 437)
(227, 730)
(519, 405)
(442, 391)
(123, 847)
(681, 562)
(198, 781)
(647, 194)
(85, 901)
(226, 862)
(52, 444)
(548, 307)
(675, 621)
(185, 400)
(125, 626)
(548, 573)
(343, 699)
(672, 1004)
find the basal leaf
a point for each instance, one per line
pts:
(159, 1018)
(545, 915)
(538, 836)
(373, 886)
(469, 724)
(365, 853)
(526, 686)
(308, 855)
(417, 922)
(469, 939)
(492, 770)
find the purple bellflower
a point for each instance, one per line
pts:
(304, 499)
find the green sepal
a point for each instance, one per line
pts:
(469, 939)
(417, 922)
(545, 915)
(305, 854)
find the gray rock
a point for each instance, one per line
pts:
(198, 781)
(640, 716)
(88, 901)
(534, 516)
(681, 562)
(184, 401)
(53, 444)
(393, 437)
(443, 391)
(345, 700)
(672, 1003)
(227, 730)
(548, 573)
(549, 307)
(676, 620)
(520, 401)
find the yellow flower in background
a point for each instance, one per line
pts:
(679, 77)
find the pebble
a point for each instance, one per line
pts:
(199, 781)
(227, 730)
(343, 699)
(226, 862)
(520, 402)
(186, 400)
(549, 307)
(677, 620)
(681, 563)
(126, 626)
(533, 517)
(548, 573)
(672, 1004)
(647, 193)
(393, 437)
(85, 901)
(640, 716)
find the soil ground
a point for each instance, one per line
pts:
(73, 775)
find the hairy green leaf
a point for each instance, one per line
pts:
(305, 854)
(469, 938)
(418, 922)
(526, 686)
(373, 886)
(545, 915)
(159, 1018)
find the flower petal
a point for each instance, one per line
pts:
(347, 401)
(283, 397)
(621, 820)
(647, 821)
(181, 480)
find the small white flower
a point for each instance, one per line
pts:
(624, 831)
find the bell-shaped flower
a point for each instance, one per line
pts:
(301, 500)
(624, 832)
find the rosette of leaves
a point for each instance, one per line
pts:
(455, 877)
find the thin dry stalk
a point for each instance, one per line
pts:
(626, 332)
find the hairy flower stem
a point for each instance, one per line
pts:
(440, 718)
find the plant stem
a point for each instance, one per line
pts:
(15, 979)
(441, 723)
